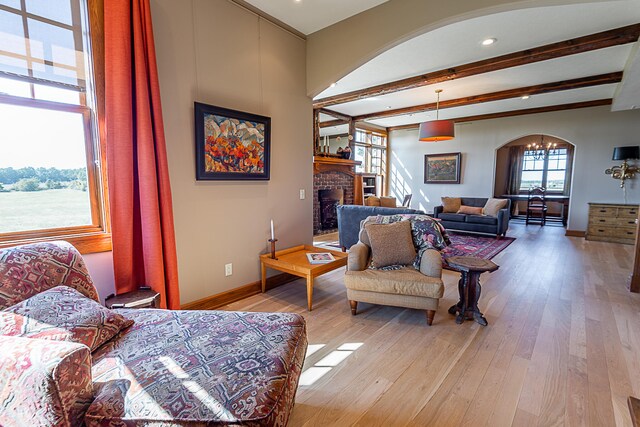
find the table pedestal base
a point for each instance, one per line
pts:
(469, 290)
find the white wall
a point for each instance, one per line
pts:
(100, 267)
(594, 132)
(215, 52)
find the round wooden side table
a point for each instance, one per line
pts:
(469, 287)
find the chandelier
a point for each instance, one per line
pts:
(540, 151)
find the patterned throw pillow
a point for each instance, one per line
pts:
(62, 314)
(391, 244)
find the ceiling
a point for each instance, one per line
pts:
(309, 16)
(516, 31)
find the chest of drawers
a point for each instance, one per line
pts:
(612, 223)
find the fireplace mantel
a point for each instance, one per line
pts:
(334, 164)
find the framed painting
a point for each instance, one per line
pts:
(442, 168)
(231, 145)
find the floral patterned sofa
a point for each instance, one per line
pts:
(161, 368)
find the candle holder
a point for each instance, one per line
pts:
(273, 248)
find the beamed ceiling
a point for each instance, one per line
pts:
(561, 57)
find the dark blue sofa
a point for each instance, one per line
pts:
(350, 216)
(475, 223)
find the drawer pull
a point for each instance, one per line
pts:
(602, 231)
(602, 220)
(602, 210)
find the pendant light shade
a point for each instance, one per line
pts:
(436, 130)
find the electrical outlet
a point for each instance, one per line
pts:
(228, 269)
(302, 194)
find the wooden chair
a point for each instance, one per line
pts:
(536, 206)
(407, 200)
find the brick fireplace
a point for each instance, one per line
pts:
(331, 174)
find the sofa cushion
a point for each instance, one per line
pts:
(388, 202)
(372, 201)
(450, 204)
(405, 281)
(452, 217)
(62, 314)
(43, 382)
(470, 210)
(482, 219)
(197, 368)
(493, 206)
(391, 244)
(30, 269)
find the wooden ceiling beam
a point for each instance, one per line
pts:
(583, 82)
(614, 37)
(336, 122)
(572, 106)
(335, 114)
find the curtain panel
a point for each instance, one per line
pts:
(516, 156)
(144, 249)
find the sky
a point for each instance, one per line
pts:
(40, 138)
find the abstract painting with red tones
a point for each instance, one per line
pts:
(231, 145)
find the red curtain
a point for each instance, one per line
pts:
(144, 249)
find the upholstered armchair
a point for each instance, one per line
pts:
(402, 286)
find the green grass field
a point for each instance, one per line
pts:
(20, 211)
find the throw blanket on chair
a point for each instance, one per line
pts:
(426, 232)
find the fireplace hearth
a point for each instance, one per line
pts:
(329, 199)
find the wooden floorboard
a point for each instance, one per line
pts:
(562, 346)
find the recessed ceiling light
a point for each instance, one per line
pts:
(373, 98)
(334, 84)
(388, 107)
(526, 97)
(488, 42)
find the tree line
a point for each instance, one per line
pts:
(34, 179)
(11, 175)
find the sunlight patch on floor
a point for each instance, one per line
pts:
(324, 365)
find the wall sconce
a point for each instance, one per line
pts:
(624, 171)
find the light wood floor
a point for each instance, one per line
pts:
(562, 346)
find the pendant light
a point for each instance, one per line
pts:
(436, 130)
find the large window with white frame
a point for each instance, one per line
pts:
(50, 176)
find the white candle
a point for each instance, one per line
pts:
(272, 235)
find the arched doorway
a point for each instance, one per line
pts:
(536, 160)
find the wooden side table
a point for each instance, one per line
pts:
(469, 287)
(145, 297)
(294, 261)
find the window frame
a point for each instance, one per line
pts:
(95, 237)
(369, 147)
(545, 171)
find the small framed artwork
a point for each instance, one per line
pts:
(442, 168)
(231, 145)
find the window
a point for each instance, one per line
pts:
(50, 175)
(548, 171)
(371, 150)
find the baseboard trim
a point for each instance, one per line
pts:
(575, 233)
(216, 301)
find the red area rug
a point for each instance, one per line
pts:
(477, 246)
